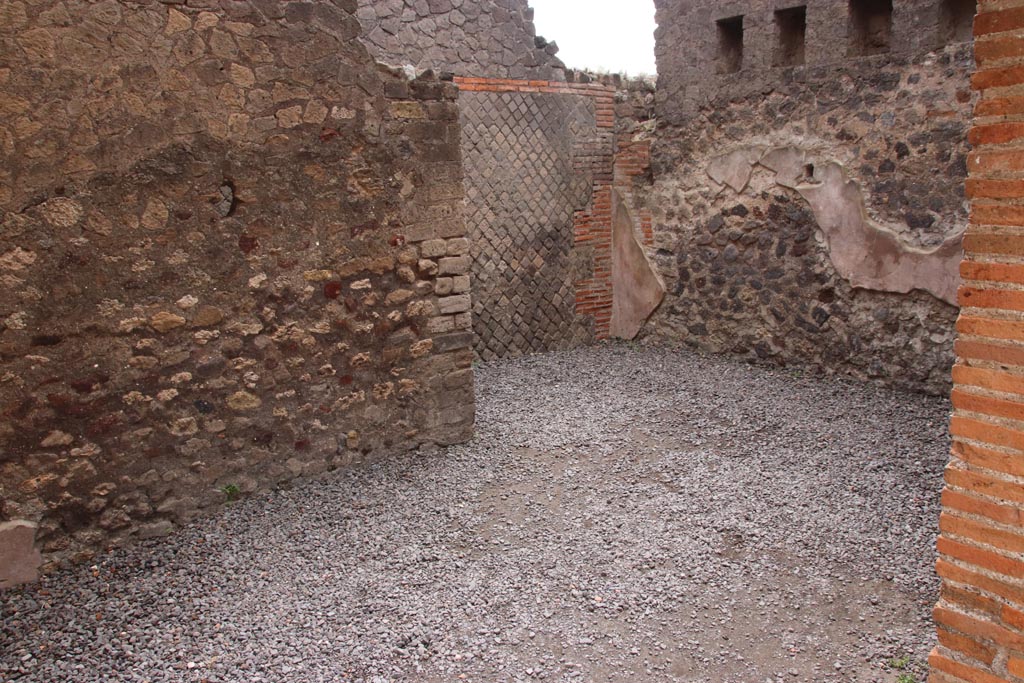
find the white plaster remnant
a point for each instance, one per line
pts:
(735, 168)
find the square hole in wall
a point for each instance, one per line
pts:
(870, 27)
(730, 45)
(956, 20)
(791, 28)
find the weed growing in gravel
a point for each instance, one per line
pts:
(900, 664)
(231, 492)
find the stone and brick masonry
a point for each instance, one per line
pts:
(232, 252)
(473, 38)
(538, 143)
(980, 617)
(233, 248)
(538, 158)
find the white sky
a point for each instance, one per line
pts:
(606, 35)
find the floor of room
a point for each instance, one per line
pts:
(623, 514)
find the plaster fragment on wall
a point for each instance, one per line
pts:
(20, 559)
(865, 253)
(735, 168)
(637, 291)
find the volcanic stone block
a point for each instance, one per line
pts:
(19, 558)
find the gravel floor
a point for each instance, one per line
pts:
(622, 515)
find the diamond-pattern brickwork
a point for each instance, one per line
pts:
(526, 170)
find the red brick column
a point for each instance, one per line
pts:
(980, 616)
(592, 227)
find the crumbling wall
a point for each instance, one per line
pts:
(638, 290)
(221, 233)
(484, 38)
(772, 266)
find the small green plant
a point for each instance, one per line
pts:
(231, 492)
(899, 663)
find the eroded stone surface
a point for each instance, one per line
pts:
(734, 169)
(196, 258)
(19, 558)
(751, 272)
(869, 255)
(493, 38)
(526, 176)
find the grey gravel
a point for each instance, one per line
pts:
(623, 514)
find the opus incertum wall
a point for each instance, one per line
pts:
(223, 235)
(808, 182)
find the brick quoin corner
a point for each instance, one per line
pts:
(980, 616)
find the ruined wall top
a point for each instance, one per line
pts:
(707, 48)
(492, 38)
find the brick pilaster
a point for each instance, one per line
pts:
(980, 617)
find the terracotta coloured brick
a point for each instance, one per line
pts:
(1015, 665)
(996, 214)
(978, 628)
(987, 432)
(998, 78)
(996, 22)
(999, 106)
(970, 600)
(996, 134)
(998, 49)
(952, 572)
(994, 189)
(1008, 355)
(1004, 514)
(962, 671)
(986, 378)
(1004, 299)
(976, 403)
(981, 558)
(990, 459)
(967, 646)
(1010, 273)
(982, 533)
(995, 161)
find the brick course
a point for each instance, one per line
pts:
(980, 616)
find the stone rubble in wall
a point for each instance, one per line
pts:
(748, 266)
(480, 38)
(219, 287)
